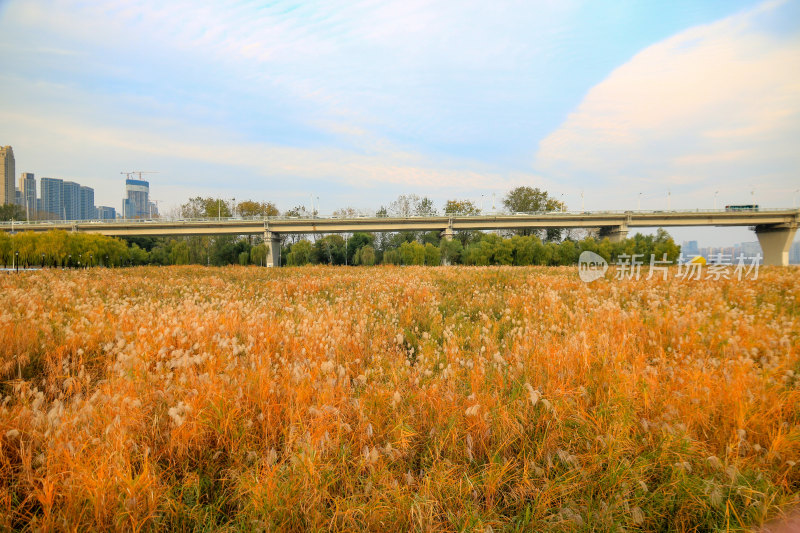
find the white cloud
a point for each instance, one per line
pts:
(715, 106)
(280, 166)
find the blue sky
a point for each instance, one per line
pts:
(359, 101)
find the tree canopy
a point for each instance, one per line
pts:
(12, 212)
(530, 200)
(461, 207)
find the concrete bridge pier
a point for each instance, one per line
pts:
(775, 242)
(614, 233)
(448, 232)
(274, 253)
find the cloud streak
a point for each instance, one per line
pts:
(715, 106)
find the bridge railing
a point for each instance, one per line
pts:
(376, 216)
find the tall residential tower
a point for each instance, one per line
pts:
(52, 190)
(88, 210)
(27, 184)
(7, 173)
(136, 205)
(72, 201)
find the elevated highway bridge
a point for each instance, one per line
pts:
(775, 228)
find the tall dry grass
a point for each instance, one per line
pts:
(434, 399)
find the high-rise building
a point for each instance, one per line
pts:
(88, 211)
(18, 196)
(136, 205)
(27, 184)
(794, 254)
(7, 173)
(106, 213)
(689, 249)
(72, 200)
(52, 190)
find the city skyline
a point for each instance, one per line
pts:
(57, 199)
(612, 106)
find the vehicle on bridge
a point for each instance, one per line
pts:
(749, 207)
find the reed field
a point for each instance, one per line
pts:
(395, 399)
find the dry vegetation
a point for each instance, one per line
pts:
(396, 398)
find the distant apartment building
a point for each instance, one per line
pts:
(690, 249)
(137, 201)
(7, 173)
(106, 213)
(748, 249)
(27, 184)
(72, 201)
(52, 191)
(794, 254)
(88, 210)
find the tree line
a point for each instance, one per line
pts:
(59, 248)
(554, 246)
(481, 249)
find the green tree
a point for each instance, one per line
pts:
(450, 250)
(430, 237)
(532, 200)
(329, 250)
(482, 252)
(137, 256)
(6, 248)
(433, 256)
(503, 253)
(179, 252)
(300, 253)
(664, 244)
(412, 253)
(12, 212)
(461, 207)
(226, 250)
(391, 257)
(258, 254)
(249, 208)
(366, 256)
(355, 243)
(199, 207)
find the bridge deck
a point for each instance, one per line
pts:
(239, 226)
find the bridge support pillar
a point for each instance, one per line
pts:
(273, 241)
(775, 243)
(614, 233)
(448, 232)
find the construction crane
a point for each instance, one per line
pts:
(150, 207)
(139, 173)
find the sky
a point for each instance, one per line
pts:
(607, 105)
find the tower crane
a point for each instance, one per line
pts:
(150, 207)
(138, 173)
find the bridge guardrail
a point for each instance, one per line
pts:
(234, 220)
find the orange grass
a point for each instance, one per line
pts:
(392, 398)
